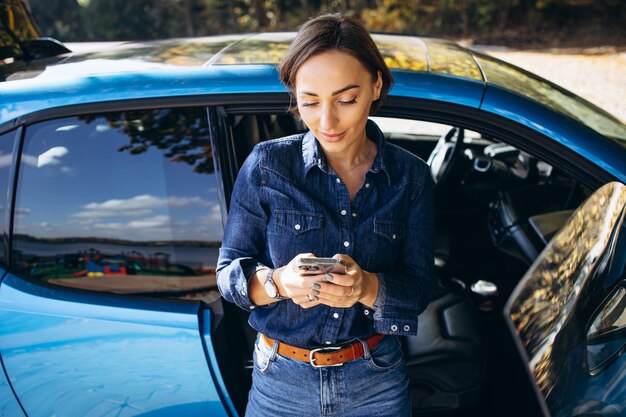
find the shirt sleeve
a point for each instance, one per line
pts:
(403, 294)
(244, 237)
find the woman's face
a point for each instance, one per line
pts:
(334, 93)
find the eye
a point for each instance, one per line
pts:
(308, 104)
(347, 103)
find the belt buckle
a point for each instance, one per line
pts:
(312, 358)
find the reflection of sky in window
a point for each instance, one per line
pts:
(75, 183)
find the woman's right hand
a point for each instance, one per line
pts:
(296, 285)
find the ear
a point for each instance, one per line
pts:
(378, 84)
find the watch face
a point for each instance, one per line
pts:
(270, 289)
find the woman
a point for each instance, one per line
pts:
(328, 343)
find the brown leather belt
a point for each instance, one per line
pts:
(319, 358)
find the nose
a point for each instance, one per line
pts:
(328, 118)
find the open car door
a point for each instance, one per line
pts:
(568, 313)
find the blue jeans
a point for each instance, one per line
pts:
(374, 385)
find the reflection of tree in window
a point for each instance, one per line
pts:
(182, 135)
(147, 226)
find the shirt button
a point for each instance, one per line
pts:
(251, 307)
(297, 227)
(338, 181)
(367, 312)
(346, 243)
(354, 214)
(242, 292)
(336, 315)
(367, 185)
(394, 236)
(343, 212)
(328, 342)
(394, 328)
(407, 328)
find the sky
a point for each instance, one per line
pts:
(75, 183)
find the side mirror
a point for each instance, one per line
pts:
(606, 337)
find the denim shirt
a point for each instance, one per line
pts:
(288, 200)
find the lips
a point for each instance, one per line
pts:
(332, 136)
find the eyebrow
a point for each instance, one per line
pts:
(341, 90)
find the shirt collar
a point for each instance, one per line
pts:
(313, 155)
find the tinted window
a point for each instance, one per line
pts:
(607, 335)
(6, 158)
(122, 202)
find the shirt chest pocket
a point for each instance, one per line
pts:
(298, 222)
(389, 230)
(292, 232)
(385, 244)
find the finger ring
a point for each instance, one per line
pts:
(352, 291)
(309, 297)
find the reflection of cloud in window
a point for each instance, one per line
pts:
(214, 216)
(140, 205)
(50, 157)
(29, 160)
(5, 160)
(22, 211)
(156, 222)
(186, 201)
(66, 128)
(45, 225)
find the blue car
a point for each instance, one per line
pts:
(116, 168)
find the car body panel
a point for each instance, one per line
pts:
(133, 357)
(213, 361)
(440, 88)
(549, 313)
(610, 155)
(30, 96)
(8, 403)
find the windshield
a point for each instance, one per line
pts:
(552, 96)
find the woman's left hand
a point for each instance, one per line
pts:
(345, 290)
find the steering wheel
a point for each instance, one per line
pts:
(445, 158)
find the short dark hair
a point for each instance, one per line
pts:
(334, 32)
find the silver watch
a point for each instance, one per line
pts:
(270, 286)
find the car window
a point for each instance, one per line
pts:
(606, 337)
(122, 202)
(6, 158)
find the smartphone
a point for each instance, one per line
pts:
(313, 266)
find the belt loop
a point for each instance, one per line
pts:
(274, 350)
(274, 347)
(366, 349)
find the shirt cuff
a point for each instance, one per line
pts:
(394, 323)
(249, 269)
(381, 298)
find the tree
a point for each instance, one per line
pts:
(59, 19)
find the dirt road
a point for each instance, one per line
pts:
(598, 75)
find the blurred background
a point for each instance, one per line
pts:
(579, 44)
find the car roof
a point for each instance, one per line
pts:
(400, 52)
(423, 67)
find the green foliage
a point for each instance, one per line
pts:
(100, 20)
(59, 19)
